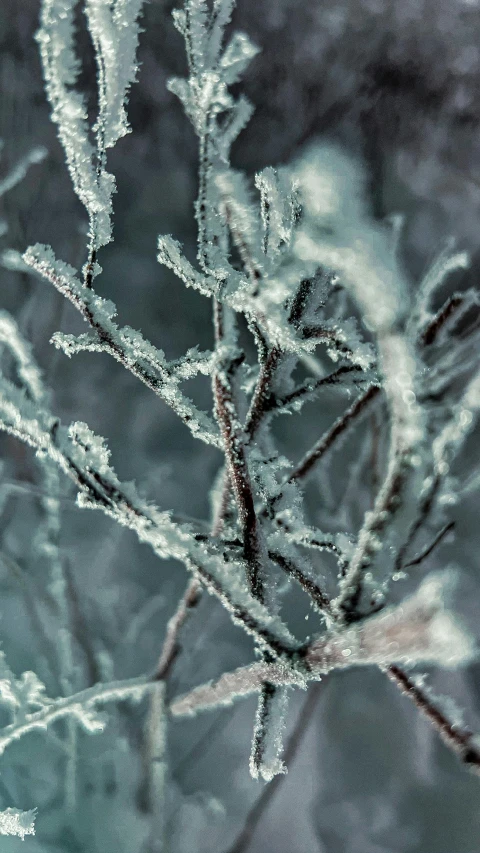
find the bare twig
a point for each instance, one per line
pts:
(170, 648)
(431, 547)
(447, 311)
(461, 740)
(311, 387)
(338, 428)
(316, 594)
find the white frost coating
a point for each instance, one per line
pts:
(236, 58)
(419, 630)
(92, 453)
(127, 345)
(231, 686)
(114, 31)
(398, 365)
(60, 70)
(216, 115)
(15, 822)
(271, 729)
(278, 207)
(28, 371)
(81, 706)
(78, 449)
(268, 307)
(239, 116)
(337, 232)
(446, 263)
(211, 72)
(22, 694)
(170, 255)
(236, 200)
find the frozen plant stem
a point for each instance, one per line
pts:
(286, 264)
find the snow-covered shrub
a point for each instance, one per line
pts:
(308, 297)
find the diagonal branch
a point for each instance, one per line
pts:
(336, 430)
(125, 345)
(461, 741)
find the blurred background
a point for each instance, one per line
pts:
(395, 83)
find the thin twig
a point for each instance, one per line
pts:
(234, 445)
(312, 589)
(338, 428)
(170, 648)
(310, 387)
(423, 515)
(436, 324)
(157, 381)
(428, 550)
(461, 740)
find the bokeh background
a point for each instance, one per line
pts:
(396, 83)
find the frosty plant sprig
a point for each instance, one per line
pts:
(291, 253)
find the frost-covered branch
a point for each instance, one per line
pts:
(420, 630)
(84, 458)
(114, 30)
(292, 252)
(126, 345)
(82, 706)
(336, 430)
(234, 443)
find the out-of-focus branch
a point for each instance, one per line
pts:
(462, 741)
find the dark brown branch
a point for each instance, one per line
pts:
(168, 656)
(386, 506)
(428, 550)
(266, 699)
(311, 386)
(461, 740)
(436, 324)
(171, 648)
(262, 394)
(316, 594)
(233, 439)
(338, 428)
(425, 509)
(90, 267)
(300, 301)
